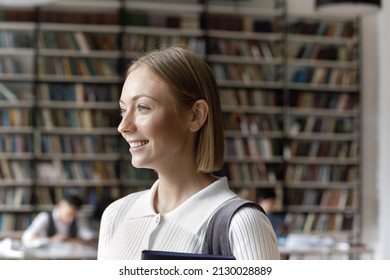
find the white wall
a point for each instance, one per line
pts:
(383, 174)
(370, 138)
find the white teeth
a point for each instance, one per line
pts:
(138, 144)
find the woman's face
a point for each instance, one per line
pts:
(158, 136)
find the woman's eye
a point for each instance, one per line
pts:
(122, 112)
(141, 107)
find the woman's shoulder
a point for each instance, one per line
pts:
(250, 216)
(250, 224)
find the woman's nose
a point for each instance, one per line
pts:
(127, 124)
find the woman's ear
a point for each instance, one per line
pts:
(199, 111)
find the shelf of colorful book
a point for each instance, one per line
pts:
(88, 106)
(15, 193)
(136, 40)
(79, 94)
(76, 136)
(63, 177)
(85, 5)
(170, 14)
(170, 6)
(254, 148)
(16, 51)
(99, 145)
(346, 102)
(16, 144)
(15, 115)
(12, 206)
(16, 170)
(16, 64)
(323, 198)
(149, 25)
(250, 59)
(12, 224)
(252, 119)
(320, 184)
(319, 171)
(99, 12)
(78, 40)
(17, 38)
(331, 224)
(328, 160)
(77, 118)
(252, 172)
(336, 78)
(78, 69)
(317, 125)
(47, 196)
(249, 9)
(323, 52)
(322, 26)
(245, 71)
(340, 148)
(244, 48)
(256, 24)
(306, 49)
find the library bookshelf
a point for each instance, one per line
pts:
(17, 130)
(289, 87)
(322, 175)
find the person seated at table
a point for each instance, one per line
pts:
(62, 224)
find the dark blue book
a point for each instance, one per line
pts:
(166, 255)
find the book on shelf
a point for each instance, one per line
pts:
(321, 173)
(81, 42)
(16, 39)
(77, 66)
(324, 28)
(310, 221)
(79, 144)
(5, 170)
(77, 17)
(16, 143)
(14, 222)
(6, 93)
(228, 22)
(263, 26)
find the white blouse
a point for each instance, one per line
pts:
(130, 225)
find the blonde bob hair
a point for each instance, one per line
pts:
(189, 79)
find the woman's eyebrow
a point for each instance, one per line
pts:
(138, 96)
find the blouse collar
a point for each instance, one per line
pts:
(194, 211)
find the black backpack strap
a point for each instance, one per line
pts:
(216, 241)
(73, 229)
(51, 229)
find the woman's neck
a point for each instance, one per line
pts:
(173, 191)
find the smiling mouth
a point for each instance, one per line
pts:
(138, 144)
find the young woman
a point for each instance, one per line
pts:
(172, 120)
